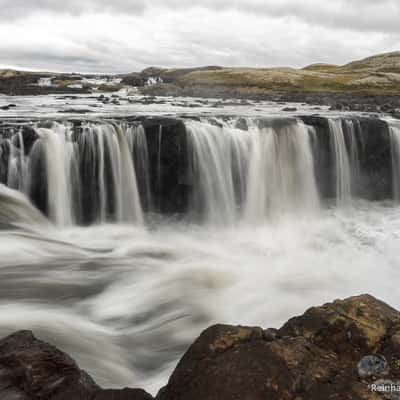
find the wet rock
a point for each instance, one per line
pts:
(125, 394)
(229, 362)
(33, 370)
(354, 325)
(372, 366)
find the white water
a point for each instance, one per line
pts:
(252, 175)
(342, 163)
(126, 301)
(61, 165)
(394, 128)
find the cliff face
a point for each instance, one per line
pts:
(348, 349)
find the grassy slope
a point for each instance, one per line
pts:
(376, 75)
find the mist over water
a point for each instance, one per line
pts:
(125, 290)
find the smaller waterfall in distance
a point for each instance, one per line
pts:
(251, 175)
(341, 162)
(394, 129)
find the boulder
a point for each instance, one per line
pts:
(124, 394)
(33, 370)
(312, 357)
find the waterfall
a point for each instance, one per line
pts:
(137, 143)
(159, 171)
(212, 157)
(251, 175)
(354, 133)
(341, 162)
(17, 177)
(234, 170)
(394, 129)
(61, 167)
(80, 176)
(108, 162)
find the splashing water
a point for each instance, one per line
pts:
(126, 298)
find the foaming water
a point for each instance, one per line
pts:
(127, 301)
(269, 224)
(394, 129)
(342, 163)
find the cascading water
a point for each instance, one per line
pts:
(394, 129)
(61, 167)
(126, 301)
(281, 174)
(137, 143)
(94, 175)
(341, 162)
(251, 175)
(354, 135)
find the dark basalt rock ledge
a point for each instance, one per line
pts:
(348, 349)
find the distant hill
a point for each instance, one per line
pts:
(379, 74)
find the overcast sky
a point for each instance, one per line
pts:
(129, 35)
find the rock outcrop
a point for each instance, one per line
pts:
(348, 349)
(311, 357)
(34, 370)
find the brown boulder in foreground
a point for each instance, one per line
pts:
(34, 370)
(312, 357)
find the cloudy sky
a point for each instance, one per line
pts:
(129, 35)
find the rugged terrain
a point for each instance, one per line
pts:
(348, 349)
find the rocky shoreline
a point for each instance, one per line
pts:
(348, 349)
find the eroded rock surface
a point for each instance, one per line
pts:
(312, 357)
(33, 370)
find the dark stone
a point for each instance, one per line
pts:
(35, 370)
(289, 109)
(124, 394)
(314, 356)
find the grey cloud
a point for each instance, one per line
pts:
(362, 15)
(21, 8)
(131, 35)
